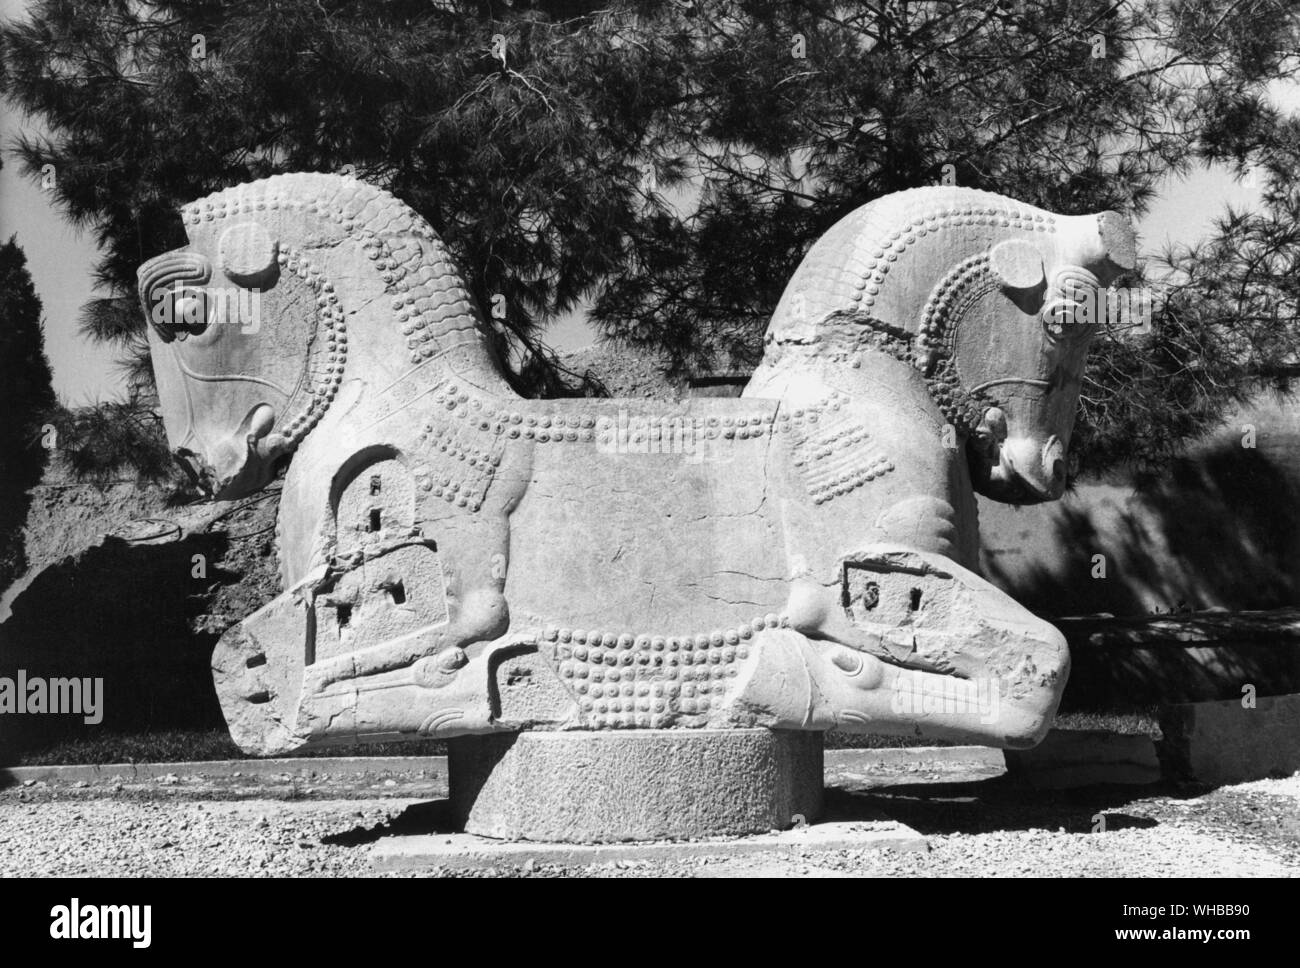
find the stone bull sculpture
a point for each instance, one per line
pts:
(458, 560)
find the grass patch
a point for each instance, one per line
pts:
(1131, 722)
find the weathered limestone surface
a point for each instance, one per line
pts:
(604, 786)
(459, 561)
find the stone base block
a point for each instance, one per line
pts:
(423, 852)
(1224, 742)
(627, 785)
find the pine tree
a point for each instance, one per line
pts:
(671, 162)
(26, 400)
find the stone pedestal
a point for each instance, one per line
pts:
(1225, 742)
(621, 785)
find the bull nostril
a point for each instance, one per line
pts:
(1058, 471)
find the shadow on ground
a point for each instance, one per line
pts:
(999, 804)
(433, 817)
(987, 806)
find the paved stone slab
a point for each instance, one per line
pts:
(863, 761)
(297, 766)
(967, 757)
(459, 851)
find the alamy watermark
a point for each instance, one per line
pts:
(189, 309)
(76, 921)
(1130, 308)
(697, 439)
(947, 696)
(26, 695)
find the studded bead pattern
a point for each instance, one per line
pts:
(954, 293)
(552, 427)
(888, 251)
(646, 681)
(430, 303)
(328, 355)
(851, 263)
(461, 448)
(838, 456)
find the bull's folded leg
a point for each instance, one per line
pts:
(273, 704)
(798, 683)
(907, 642)
(480, 617)
(469, 583)
(448, 694)
(274, 701)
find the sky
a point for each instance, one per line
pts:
(60, 257)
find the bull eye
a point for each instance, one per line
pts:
(191, 311)
(1074, 311)
(1057, 316)
(1077, 304)
(177, 312)
(166, 279)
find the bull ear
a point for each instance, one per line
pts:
(248, 255)
(1017, 264)
(1117, 240)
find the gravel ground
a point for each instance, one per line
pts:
(985, 827)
